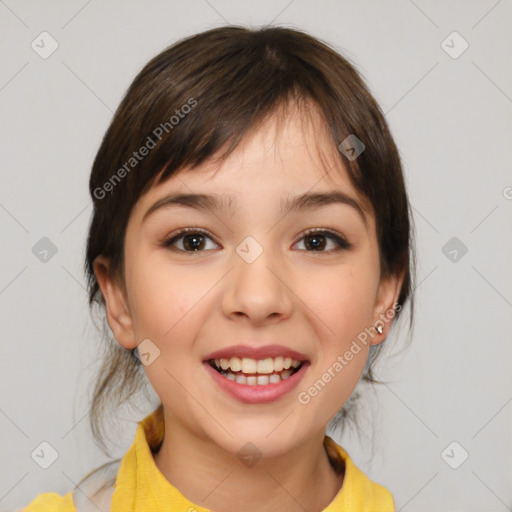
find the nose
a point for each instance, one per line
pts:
(258, 291)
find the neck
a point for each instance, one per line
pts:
(211, 478)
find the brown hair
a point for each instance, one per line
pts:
(205, 93)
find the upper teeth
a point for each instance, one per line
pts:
(248, 365)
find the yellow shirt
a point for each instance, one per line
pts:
(141, 487)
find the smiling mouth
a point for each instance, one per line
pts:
(255, 372)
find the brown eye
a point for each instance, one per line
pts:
(317, 241)
(188, 240)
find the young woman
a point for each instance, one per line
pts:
(250, 248)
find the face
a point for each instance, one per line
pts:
(256, 282)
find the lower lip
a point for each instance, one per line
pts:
(258, 394)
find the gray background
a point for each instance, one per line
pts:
(451, 118)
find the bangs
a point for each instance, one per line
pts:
(233, 83)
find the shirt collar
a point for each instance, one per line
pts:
(141, 487)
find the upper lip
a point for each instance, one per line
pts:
(256, 352)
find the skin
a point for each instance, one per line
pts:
(192, 303)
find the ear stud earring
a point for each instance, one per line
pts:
(380, 329)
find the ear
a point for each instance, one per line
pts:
(118, 313)
(385, 306)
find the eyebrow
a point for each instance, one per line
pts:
(226, 204)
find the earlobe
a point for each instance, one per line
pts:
(385, 307)
(118, 315)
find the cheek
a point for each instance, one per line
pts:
(162, 300)
(342, 307)
(343, 299)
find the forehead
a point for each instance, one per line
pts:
(289, 153)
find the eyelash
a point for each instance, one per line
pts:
(339, 239)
